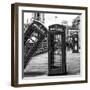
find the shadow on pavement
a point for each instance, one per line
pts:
(33, 74)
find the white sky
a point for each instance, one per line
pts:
(50, 18)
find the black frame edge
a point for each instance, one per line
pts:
(86, 43)
(50, 5)
(12, 44)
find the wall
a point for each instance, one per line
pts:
(5, 45)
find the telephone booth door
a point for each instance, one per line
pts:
(75, 43)
(56, 51)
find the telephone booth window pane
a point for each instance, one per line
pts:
(75, 39)
(34, 39)
(76, 47)
(30, 41)
(57, 50)
(35, 34)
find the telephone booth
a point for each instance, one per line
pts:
(75, 47)
(56, 50)
(34, 35)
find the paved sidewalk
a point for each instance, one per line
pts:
(38, 65)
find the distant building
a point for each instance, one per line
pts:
(35, 16)
(76, 23)
(74, 29)
(38, 16)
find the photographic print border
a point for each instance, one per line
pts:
(14, 43)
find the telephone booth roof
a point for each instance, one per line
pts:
(57, 27)
(39, 23)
